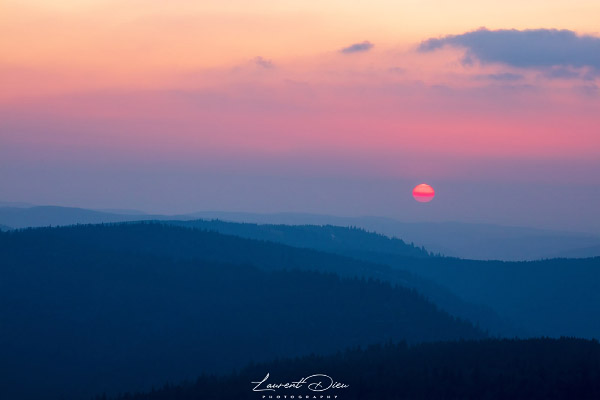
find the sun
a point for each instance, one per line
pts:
(423, 193)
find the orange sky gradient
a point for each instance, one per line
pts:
(127, 62)
(265, 83)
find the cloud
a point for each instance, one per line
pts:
(562, 73)
(358, 47)
(589, 90)
(264, 63)
(534, 48)
(570, 73)
(501, 77)
(397, 70)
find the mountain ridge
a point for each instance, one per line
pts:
(463, 240)
(491, 369)
(119, 312)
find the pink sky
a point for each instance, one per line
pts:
(248, 92)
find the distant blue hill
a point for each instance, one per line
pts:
(591, 251)
(337, 239)
(367, 246)
(556, 297)
(114, 307)
(38, 216)
(455, 239)
(484, 292)
(473, 241)
(121, 211)
(18, 204)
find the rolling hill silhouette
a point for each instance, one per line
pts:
(489, 369)
(348, 241)
(88, 309)
(557, 297)
(464, 240)
(365, 249)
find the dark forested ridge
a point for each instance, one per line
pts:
(464, 240)
(473, 241)
(490, 369)
(123, 307)
(4, 228)
(183, 243)
(88, 309)
(558, 297)
(349, 241)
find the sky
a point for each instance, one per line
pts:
(324, 107)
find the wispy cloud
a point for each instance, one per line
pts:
(570, 73)
(263, 62)
(501, 77)
(535, 48)
(358, 47)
